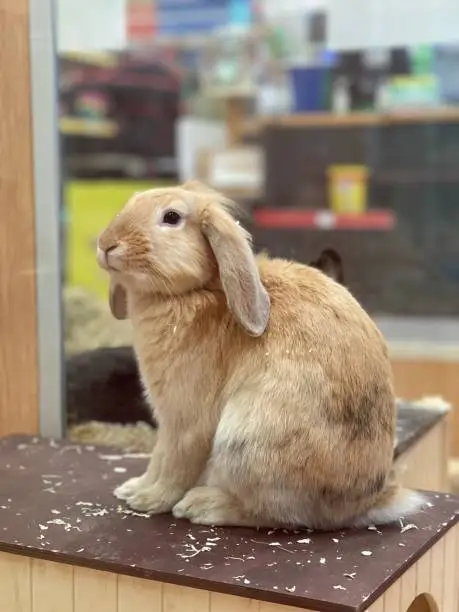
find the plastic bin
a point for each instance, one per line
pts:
(310, 87)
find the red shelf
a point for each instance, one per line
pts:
(290, 218)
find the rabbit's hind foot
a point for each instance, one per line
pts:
(212, 506)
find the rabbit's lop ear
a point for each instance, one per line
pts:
(196, 186)
(245, 294)
(118, 301)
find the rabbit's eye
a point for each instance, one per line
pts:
(171, 217)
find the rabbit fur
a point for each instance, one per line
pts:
(272, 387)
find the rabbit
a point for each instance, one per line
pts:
(103, 385)
(272, 386)
(331, 264)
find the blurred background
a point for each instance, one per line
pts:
(334, 122)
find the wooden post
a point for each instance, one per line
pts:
(19, 403)
(235, 116)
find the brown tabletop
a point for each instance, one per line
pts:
(56, 503)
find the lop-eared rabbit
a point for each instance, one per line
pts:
(272, 386)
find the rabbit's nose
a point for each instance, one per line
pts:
(107, 257)
(101, 257)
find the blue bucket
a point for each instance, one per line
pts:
(309, 88)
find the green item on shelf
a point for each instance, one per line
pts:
(413, 90)
(277, 42)
(422, 59)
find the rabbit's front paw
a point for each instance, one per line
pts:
(155, 499)
(129, 488)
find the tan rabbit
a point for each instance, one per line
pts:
(272, 387)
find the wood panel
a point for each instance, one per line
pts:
(36, 586)
(137, 594)
(229, 603)
(425, 464)
(177, 599)
(415, 378)
(408, 588)
(15, 582)
(94, 590)
(392, 597)
(378, 606)
(52, 578)
(18, 325)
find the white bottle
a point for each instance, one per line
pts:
(340, 96)
(383, 96)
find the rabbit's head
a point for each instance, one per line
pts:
(172, 241)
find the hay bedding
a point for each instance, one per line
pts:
(89, 324)
(105, 403)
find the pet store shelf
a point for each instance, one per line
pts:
(289, 218)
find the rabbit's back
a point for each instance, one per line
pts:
(315, 320)
(311, 402)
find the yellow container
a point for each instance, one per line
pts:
(348, 189)
(90, 206)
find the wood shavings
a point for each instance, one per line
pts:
(57, 522)
(291, 589)
(408, 527)
(366, 553)
(350, 576)
(67, 526)
(323, 561)
(304, 541)
(111, 457)
(192, 550)
(273, 544)
(119, 470)
(101, 512)
(339, 587)
(128, 511)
